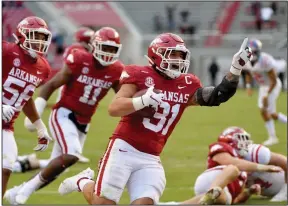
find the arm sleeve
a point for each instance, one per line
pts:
(5, 48)
(214, 96)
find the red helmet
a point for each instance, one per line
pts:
(159, 53)
(27, 35)
(83, 34)
(106, 45)
(238, 138)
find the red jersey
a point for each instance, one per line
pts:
(149, 135)
(87, 85)
(67, 51)
(235, 187)
(21, 76)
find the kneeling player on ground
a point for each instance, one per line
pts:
(224, 184)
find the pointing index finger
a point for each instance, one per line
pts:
(244, 44)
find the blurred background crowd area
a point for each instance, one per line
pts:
(212, 30)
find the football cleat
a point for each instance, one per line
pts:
(10, 195)
(211, 196)
(70, 184)
(271, 141)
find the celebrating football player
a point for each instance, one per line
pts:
(87, 77)
(24, 69)
(132, 157)
(263, 68)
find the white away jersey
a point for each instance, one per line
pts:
(259, 71)
(259, 154)
(271, 183)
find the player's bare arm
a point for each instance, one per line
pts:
(225, 158)
(248, 79)
(46, 91)
(43, 137)
(273, 80)
(30, 111)
(214, 96)
(61, 78)
(246, 194)
(116, 87)
(122, 104)
(280, 161)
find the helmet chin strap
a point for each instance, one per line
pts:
(33, 54)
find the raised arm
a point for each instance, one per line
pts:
(214, 96)
(47, 89)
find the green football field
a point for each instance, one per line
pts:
(183, 158)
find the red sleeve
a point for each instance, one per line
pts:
(196, 83)
(217, 148)
(193, 83)
(48, 68)
(5, 48)
(128, 75)
(73, 60)
(120, 68)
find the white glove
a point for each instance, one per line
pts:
(241, 58)
(8, 112)
(150, 98)
(43, 136)
(40, 105)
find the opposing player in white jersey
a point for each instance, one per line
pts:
(263, 69)
(272, 184)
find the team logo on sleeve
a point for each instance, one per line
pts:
(85, 70)
(149, 81)
(16, 62)
(124, 74)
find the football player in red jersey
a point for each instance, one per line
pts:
(82, 37)
(223, 181)
(132, 156)
(87, 77)
(24, 69)
(30, 162)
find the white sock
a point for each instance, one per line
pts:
(83, 182)
(36, 182)
(17, 167)
(43, 163)
(270, 128)
(282, 117)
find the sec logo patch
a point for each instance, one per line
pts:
(16, 62)
(85, 70)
